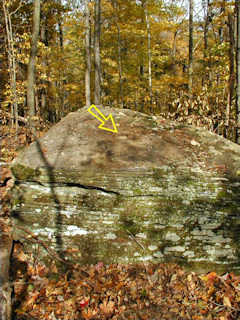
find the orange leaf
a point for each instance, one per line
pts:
(211, 275)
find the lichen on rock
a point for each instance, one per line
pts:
(175, 184)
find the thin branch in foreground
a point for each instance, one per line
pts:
(223, 306)
(141, 246)
(132, 236)
(49, 250)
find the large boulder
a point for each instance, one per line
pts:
(173, 187)
(142, 141)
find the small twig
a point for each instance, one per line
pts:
(223, 306)
(49, 250)
(141, 246)
(5, 163)
(90, 283)
(132, 236)
(19, 118)
(37, 259)
(28, 240)
(20, 4)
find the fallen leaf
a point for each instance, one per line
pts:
(107, 307)
(227, 302)
(99, 266)
(88, 313)
(57, 291)
(83, 303)
(173, 278)
(211, 275)
(70, 302)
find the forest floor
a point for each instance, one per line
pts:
(160, 291)
(74, 292)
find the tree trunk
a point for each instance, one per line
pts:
(5, 290)
(119, 54)
(175, 42)
(12, 62)
(43, 91)
(97, 61)
(220, 30)
(238, 72)
(207, 75)
(88, 55)
(141, 69)
(206, 27)
(149, 58)
(60, 84)
(60, 34)
(190, 54)
(231, 23)
(31, 66)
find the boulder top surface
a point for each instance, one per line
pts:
(142, 141)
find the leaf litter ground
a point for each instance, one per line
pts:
(153, 291)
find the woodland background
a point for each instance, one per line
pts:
(178, 59)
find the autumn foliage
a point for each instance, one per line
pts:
(60, 65)
(120, 292)
(161, 291)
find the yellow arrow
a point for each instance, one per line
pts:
(102, 118)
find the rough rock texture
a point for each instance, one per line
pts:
(173, 187)
(141, 142)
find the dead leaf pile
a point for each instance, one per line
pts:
(13, 142)
(162, 291)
